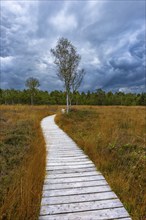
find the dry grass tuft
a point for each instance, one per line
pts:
(115, 139)
(22, 161)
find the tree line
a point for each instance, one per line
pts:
(99, 97)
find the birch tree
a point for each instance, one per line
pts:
(67, 61)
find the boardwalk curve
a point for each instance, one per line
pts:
(73, 188)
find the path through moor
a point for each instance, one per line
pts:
(73, 188)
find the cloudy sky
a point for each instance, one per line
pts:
(109, 36)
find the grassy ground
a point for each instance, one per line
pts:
(22, 156)
(114, 138)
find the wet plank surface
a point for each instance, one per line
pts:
(73, 188)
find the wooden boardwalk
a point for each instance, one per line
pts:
(73, 188)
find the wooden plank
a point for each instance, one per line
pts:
(65, 151)
(79, 207)
(71, 175)
(64, 148)
(78, 198)
(104, 214)
(68, 167)
(65, 156)
(78, 170)
(123, 218)
(74, 185)
(75, 179)
(63, 145)
(64, 142)
(74, 191)
(66, 159)
(71, 156)
(75, 157)
(62, 163)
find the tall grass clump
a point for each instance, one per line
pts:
(22, 154)
(115, 139)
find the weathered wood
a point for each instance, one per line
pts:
(73, 188)
(75, 179)
(64, 157)
(104, 214)
(74, 191)
(78, 207)
(52, 159)
(66, 163)
(78, 198)
(90, 173)
(78, 170)
(74, 185)
(69, 166)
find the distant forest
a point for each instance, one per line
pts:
(100, 97)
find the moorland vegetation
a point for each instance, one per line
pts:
(22, 156)
(114, 137)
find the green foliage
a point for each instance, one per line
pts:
(100, 97)
(67, 61)
(32, 83)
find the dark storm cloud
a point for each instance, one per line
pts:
(109, 35)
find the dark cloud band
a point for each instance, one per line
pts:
(109, 35)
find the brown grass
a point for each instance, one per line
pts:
(22, 161)
(114, 138)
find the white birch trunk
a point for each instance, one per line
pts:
(67, 103)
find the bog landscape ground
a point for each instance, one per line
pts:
(113, 137)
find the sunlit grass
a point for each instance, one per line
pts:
(23, 156)
(114, 138)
